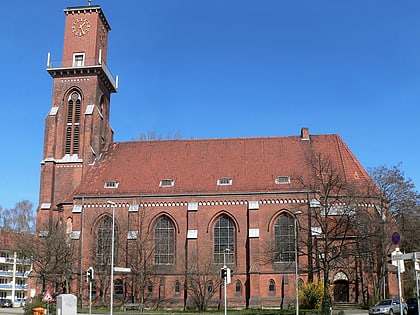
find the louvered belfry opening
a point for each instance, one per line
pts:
(73, 122)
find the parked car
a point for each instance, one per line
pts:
(6, 303)
(412, 304)
(388, 307)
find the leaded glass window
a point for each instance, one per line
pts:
(224, 241)
(284, 239)
(104, 241)
(164, 242)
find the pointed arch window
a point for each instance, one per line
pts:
(164, 242)
(104, 241)
(149, 288)
(210, 288)
(224, 241)
(271, 287)
(238, 288)
(177, 287)
(118, 286)
(284, 239)
(69, 225)
(73, 121)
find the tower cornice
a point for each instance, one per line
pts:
(100, 70)
(89, 9)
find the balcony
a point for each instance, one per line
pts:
(88, 66)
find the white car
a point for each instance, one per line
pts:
(388, 307)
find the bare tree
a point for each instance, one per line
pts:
(20, 219)
(100, 254)
(401, 197)
(52, 255)
(202, 279)
(333, 234)
(139, 253)
(133, 248)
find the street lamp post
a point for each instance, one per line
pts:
(296, 265)
(113, 204)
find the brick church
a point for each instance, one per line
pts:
(172, 213)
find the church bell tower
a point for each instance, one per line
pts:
(77, 126)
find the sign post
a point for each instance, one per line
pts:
(417, 268)
(398, 260)
(47, 298)
(89, 279)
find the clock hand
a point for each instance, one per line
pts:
(81, 28)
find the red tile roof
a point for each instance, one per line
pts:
(9, 240)
(196, 165)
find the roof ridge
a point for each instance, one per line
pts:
(219, 139)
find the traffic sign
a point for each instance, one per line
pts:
(396, 238)
(47, 297)
(122, 269)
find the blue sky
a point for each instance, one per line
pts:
(226, 68)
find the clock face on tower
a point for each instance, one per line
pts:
(80, 27)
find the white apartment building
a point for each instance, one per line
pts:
(14, 272)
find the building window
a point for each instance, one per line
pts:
(224, 181)
(164, 242)
(21, 295)
(20, 282)
(69, 225)
(104, 241)
(167, 183)
(210, 288)
(73, 121)
(118, 286)
(282, 180)
(149, 288)
(272, 287)
(78, 60)
(177, 287)
(238, 288)
(224, 241)
(284, 239)
(111, 184)
(300, 283)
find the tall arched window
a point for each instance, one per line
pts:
(73, 121)
(284, 239)
(224, 241)
(104, 241)
(164, 242)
